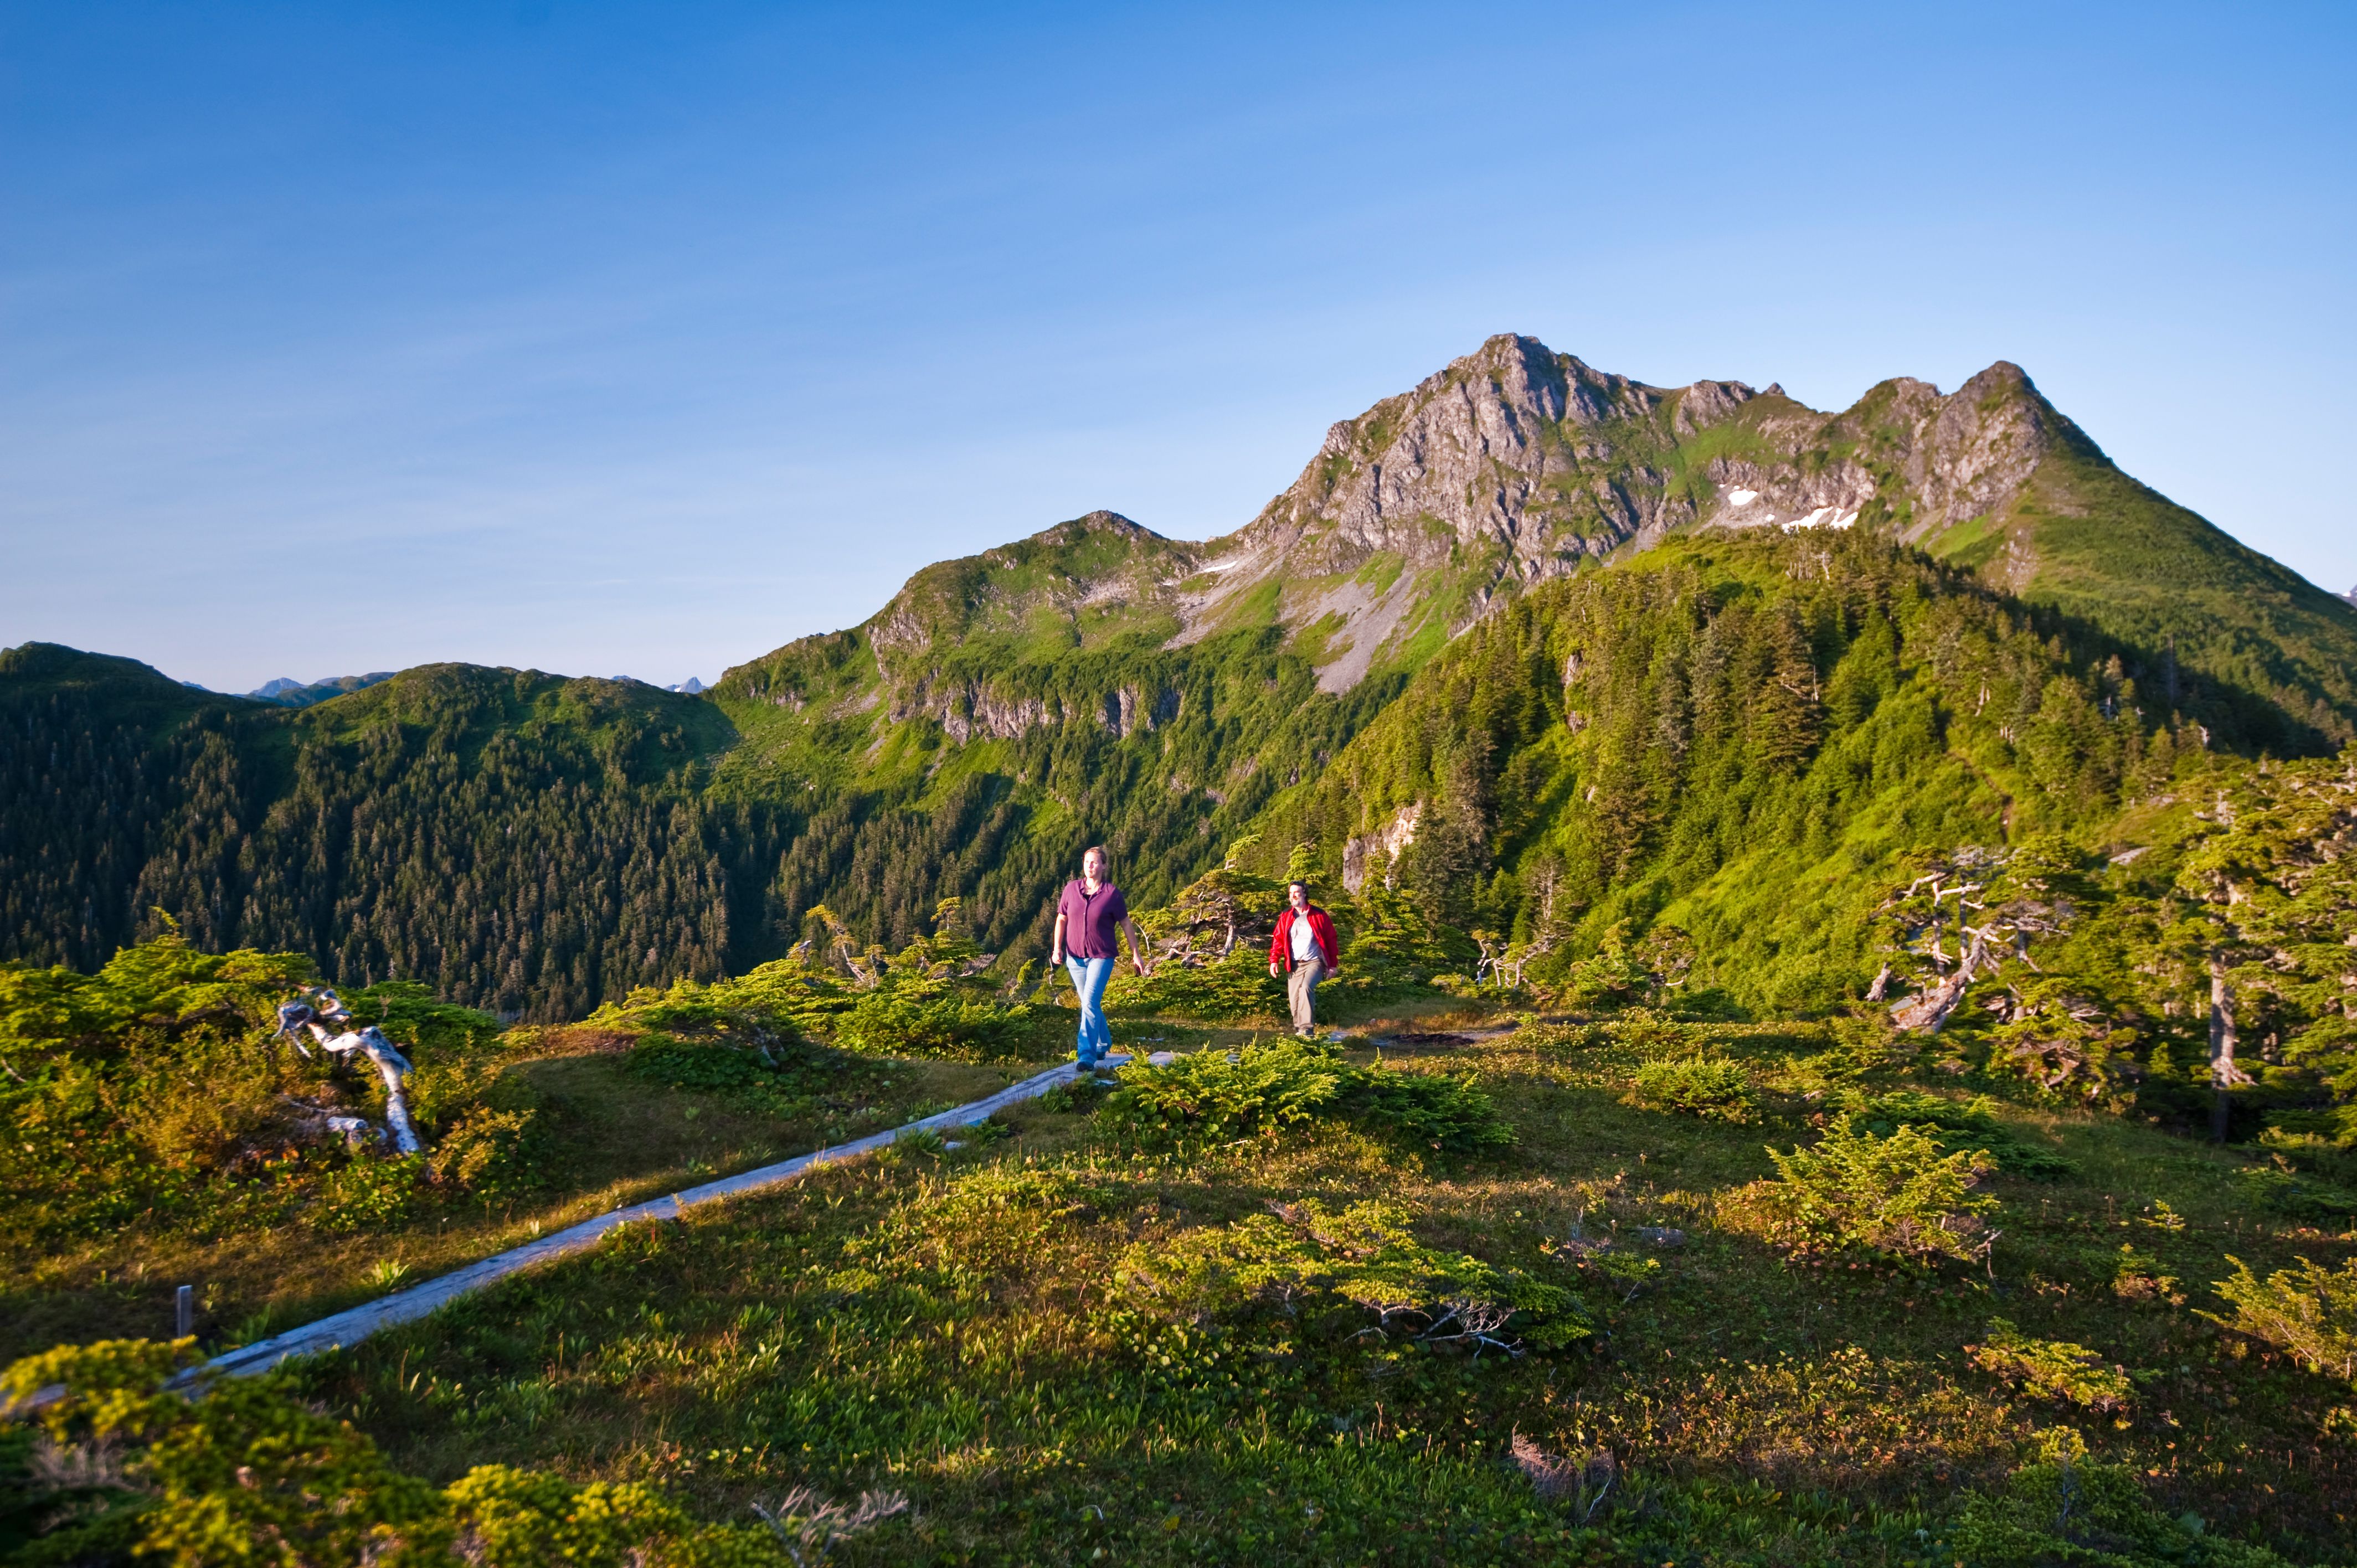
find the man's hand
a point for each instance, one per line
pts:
(1272, 970)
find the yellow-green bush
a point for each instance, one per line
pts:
(2052, 1368)
(1900, 1196)
(1712, 1087)
(2309, 1313)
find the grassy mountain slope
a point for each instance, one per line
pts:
(1993, 477)
(1749, 737)
(2115, 554)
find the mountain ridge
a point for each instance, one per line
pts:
(1095, 682)
(1516, 464)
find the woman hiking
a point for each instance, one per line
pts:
(1304, 950)
(1086, 914)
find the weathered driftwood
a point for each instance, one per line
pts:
(322, 1010)
(1924, 1012)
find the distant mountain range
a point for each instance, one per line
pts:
(289, 694)
(536, 843)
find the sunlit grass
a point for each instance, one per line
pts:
(952, 1324)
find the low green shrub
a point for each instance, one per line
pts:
(693, 1064)
(1956, 1128)
(1263, 1090)
(1898, 1195)
(1236, 986)
(1712, 1088)
(923, 1017)
(1561, 1039)
(2052, 1368)
(252, 1474)
(484, 1152)
(1650, 1036)
(1301, 1255)
(2138, 1277)
(1643, 1034)
(1216, 1097)
(2281, 1189)
(2068, 1509)
(2308, 1313)
(370, 1195)
(1451, 1117)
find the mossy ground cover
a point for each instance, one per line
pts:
(956, 1324)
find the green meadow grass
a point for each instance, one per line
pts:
(603, 1137)
(956, 1324)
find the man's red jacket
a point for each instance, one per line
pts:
(1321, 930)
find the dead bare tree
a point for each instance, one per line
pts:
(316, 1012)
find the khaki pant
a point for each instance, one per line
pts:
(1301, 990)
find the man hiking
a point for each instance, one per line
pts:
(1086, 914)
(1303, 947)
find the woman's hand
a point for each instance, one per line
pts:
(1056, 958)
(1143, 968)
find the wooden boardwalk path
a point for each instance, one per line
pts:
(356, 1324)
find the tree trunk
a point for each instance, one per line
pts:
(2225, 1075)
(1924, 1013)
(1882, 986)
(391, 1065)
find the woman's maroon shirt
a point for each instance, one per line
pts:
(1089, 921)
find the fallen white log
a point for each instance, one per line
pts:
(322, 1009)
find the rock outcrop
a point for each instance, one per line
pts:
(1904, 456)
(1508, 452)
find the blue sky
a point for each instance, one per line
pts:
(639, 339)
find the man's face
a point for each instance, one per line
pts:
(1300, 896)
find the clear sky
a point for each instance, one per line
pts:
(641, 338)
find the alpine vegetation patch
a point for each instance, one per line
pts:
(1898, 1195)
(1266, 1090)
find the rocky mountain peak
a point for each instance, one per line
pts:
(1496, 454)
(1110, 524)
(1906, 456)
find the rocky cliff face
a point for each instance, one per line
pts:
(1508, 450)
(1904, 458)
(1510, 466)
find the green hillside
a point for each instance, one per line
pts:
(537, 845)
(1747, 737)
(2116, 554)
(515, 840)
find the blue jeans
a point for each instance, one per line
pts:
(1089, 977)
